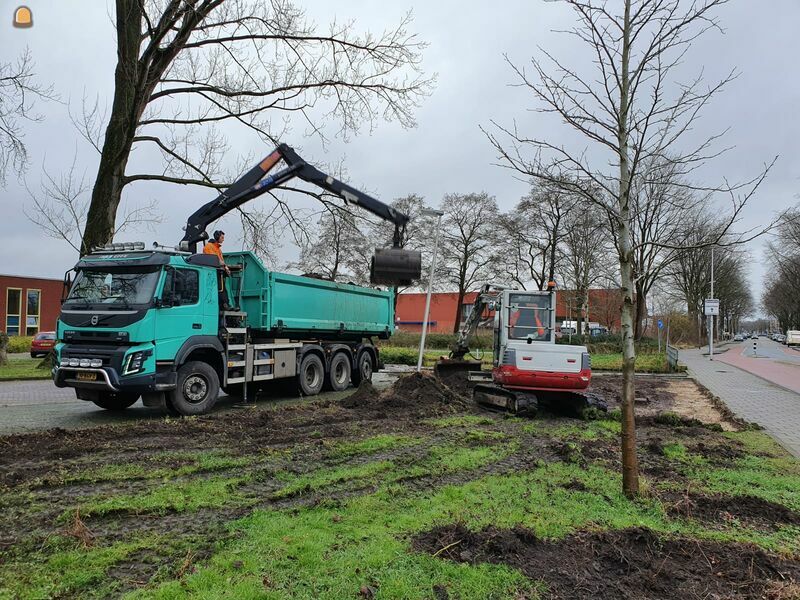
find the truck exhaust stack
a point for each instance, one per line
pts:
(395, 266)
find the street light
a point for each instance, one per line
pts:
(429, 212)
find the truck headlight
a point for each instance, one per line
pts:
(133, 364)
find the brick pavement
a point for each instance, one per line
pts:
(751, 397)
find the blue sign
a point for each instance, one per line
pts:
(660, 324)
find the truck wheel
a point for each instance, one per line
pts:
(112, 401)
(312, 375)
(197, 389)
(364, 369)
(339, 373)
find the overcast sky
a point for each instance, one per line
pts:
(74, 49)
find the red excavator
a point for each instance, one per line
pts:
(529, 367)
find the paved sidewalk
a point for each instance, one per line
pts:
(752, 398)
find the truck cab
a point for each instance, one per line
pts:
(150, 324)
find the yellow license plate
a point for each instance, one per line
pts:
(81, 376)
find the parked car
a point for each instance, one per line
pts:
(780, 338)
(738, 337)
(793, 337)
(43, 343)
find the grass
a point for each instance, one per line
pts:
(23, 369)
(346, 524)
(645, 363)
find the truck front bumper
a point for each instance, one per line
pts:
(107, 379)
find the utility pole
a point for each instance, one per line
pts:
(711, 336)
(428, 212)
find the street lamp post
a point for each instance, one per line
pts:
(429, 212)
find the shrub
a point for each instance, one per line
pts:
(19, 344)
(398, 356)
(436, 341)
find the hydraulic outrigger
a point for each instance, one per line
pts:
(390, 266)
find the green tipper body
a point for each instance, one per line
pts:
(294, 306)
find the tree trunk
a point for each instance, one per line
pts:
(641, 312)
(461, 293)
(630, 465)
(125, 113)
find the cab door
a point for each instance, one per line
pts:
(181, 314)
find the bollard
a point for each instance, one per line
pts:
(755, 347)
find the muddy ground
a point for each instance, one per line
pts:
(46, 477)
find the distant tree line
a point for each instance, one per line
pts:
(781, 296)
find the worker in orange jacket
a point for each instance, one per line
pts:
(215, 247)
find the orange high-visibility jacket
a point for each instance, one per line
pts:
(214, 248)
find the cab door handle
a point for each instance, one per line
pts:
(196, 326)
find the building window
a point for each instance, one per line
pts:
(32, 312)
(13, 305)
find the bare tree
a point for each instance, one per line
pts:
(529, 250)
(338, 251)
(60, 208)
(468, 242)
(631, 113)
(587, 248)
(187, 70)
(781, 296)
(18, 93)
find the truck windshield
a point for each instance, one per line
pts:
(114, 288)
(529, 317)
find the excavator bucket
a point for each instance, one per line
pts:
(395, 266)
(445, 367)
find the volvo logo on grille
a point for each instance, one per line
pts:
(95, 319)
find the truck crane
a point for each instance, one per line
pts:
(528, 366)
(152, 324)
(390, 266)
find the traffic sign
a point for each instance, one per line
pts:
(711, 306)
(660, 324)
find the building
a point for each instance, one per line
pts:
(604, 308)
(29, 305)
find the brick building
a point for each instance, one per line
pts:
(29, 305)
(604, 308)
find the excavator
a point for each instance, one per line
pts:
(529, 367)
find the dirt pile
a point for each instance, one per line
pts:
(416, 394)
(630, 563)
(748, 510)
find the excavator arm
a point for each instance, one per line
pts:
(393, 266)
(485, 297)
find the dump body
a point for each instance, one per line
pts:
(283, 305)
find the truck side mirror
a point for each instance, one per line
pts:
(67, 286)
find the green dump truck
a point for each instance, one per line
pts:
(171, 327)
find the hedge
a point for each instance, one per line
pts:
(439, 341)
(19, 344)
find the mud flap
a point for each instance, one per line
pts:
(493, 397)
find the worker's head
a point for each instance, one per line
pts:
(219, 237)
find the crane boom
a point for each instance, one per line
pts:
(389, 265)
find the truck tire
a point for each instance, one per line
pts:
(114, 401)
(339, 372)
(311, 375)
(365, 366)
(197, 389)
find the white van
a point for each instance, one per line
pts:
(793, 337)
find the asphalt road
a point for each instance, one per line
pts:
(34, 405)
